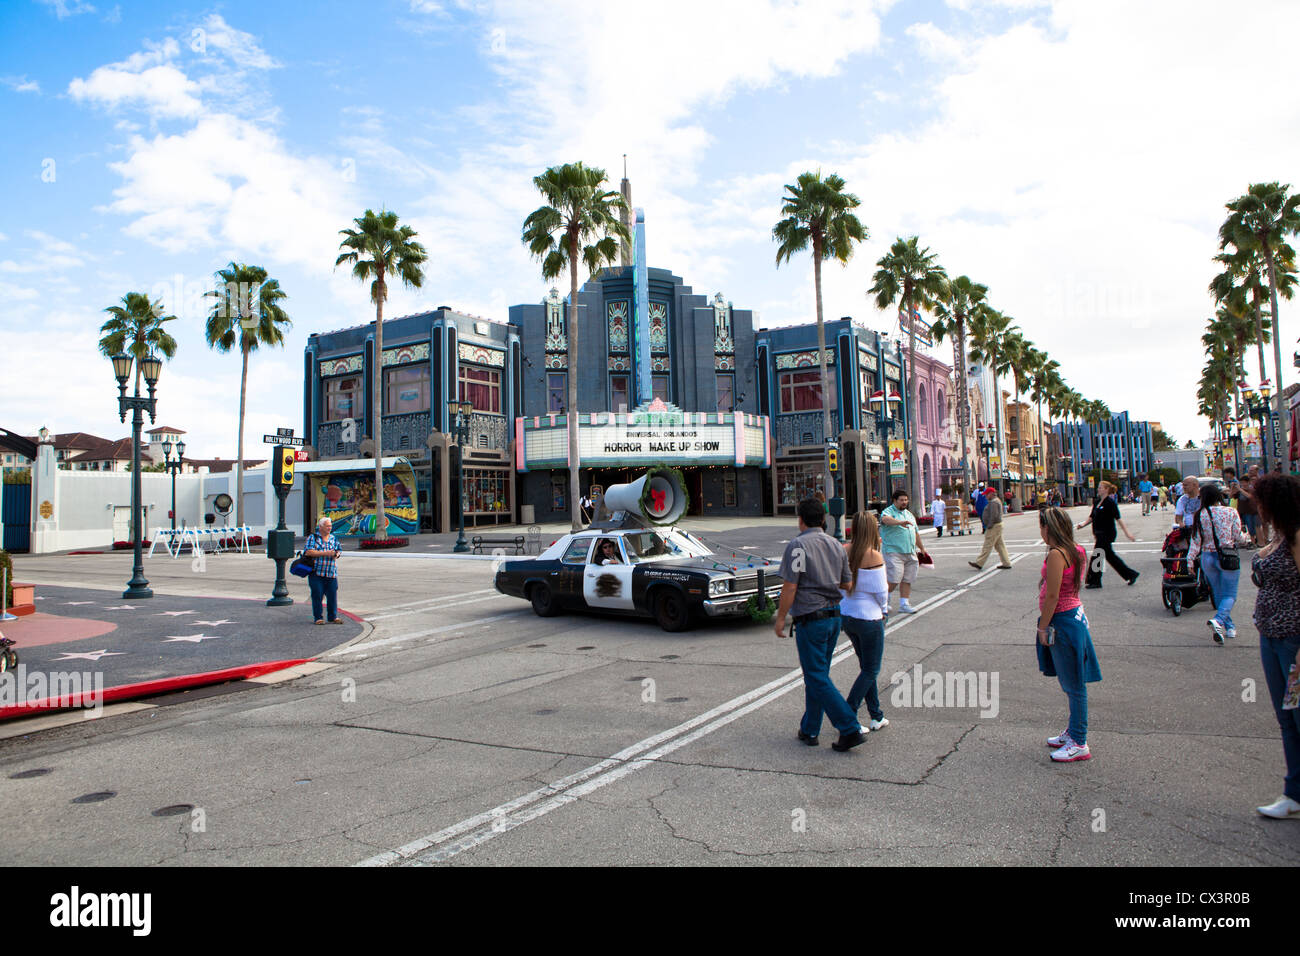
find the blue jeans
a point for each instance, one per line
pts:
(1279, 654)
(816, 642)
(327, 588)
(868, 639)
(1223, 584)
(1066, 657)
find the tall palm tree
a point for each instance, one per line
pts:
(988, 327)
(960, 296)
(381, 251)
(136, 328)
(910, 278)
(247, 312)
(1018, 351)
(581, 222)
(1041, 371)
(1263, 218)
(818, 213)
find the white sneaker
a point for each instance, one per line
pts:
(1072, 751)
(877, 724)
(1060, 740)
(1284, 808)
(1217, 628)
(1232, 633)
(905, 608)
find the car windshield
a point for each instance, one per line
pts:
(660, 546)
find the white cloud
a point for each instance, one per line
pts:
(20, 84)
(240, 48)
(63, 9)
(146, 80)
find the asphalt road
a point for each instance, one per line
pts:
(459, 728)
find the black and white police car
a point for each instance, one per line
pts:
(666, 574)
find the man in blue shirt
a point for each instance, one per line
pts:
(1144, 489)
(322, 547)
(900, 544)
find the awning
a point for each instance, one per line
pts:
(340, 465)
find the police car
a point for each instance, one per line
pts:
(666, 574)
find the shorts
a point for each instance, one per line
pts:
(900, 567)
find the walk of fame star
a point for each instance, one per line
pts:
(89, 655)
(192, 638)
(210, 623)
(176, 613)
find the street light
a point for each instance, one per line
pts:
(1256, 407)
(151, 367)
(886, 422)
(459, 413)
(988, 442)
(173, 468)
(1232, 427)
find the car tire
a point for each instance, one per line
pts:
(543, 601)
(670, 610)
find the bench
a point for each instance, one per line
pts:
(511, 541)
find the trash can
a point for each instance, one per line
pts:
(527, 514)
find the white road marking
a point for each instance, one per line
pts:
(478, 829)
(433, 600)
(438, 607)
(427, 633)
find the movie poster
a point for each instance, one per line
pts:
(348, 500)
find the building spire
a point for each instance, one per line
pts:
(625, 187)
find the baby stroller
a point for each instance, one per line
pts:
(1180, 585)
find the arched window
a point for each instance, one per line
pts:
(922, 416)
(940, 409)
(929, 485)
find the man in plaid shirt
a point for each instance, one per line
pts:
(322, 546)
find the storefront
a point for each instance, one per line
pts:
(344, 492)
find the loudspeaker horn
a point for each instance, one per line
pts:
(657, 496)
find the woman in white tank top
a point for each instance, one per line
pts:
(862, 614)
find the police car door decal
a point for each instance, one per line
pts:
(607, 578)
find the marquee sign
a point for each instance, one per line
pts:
(655, 432)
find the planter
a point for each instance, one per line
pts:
(24, 599)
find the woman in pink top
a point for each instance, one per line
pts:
(1064, 644)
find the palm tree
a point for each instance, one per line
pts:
(988, 327)
(961, 295)
(1018, 350)
(1263, 218)
(580, 222)
(818, 213)
(136, 328)
(911, 278)
(1041, 371)
(247, 312)
(380, 250)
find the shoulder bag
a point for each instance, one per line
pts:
(1229, 561)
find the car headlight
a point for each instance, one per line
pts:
(718, 587)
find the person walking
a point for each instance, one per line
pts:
(1164, 498)
(815, 569)
(1276, 572)
(1145, 487)
(322, 547)
(1216, 535)
(1188, 502)
(1105, 516)
(992, 519)
(938, 511)
(1247, 506)
(1063, 641)
(864, 609)
(901, 545)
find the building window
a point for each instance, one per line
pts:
(797, 482)
(487, 491)
(924, 417)
(618, 392)
(729, 489)
(407, 389)
(801, 391)
(344, 398)
(558, 483)
(659, 387)
(726, 393)
(556, 387)
(481, 387)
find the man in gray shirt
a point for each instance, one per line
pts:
(815, 568)
(992, 518)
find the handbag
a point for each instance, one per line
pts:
(302, 567)
(1230, 561)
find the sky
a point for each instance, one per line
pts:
(1074, 156)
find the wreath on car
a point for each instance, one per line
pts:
(647, 498)
(760, 615)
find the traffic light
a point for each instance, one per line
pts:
(284, 458)
(833, 457)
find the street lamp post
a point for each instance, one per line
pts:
(173, 468)
(988, 442)
(1033, 467)
(886, 423)
(460, 413)
(1257, 407)
(151, 367)
(1233, 429)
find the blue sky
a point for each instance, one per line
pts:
(1064, 153)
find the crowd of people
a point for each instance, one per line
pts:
(828, 587)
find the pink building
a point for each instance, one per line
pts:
(936, 434)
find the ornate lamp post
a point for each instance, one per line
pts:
(1033, 466)
(1232, 428)
(1257, 407)
(988, 442)
(460, 412)
(151, 368)
(173, 468)
(886, 422)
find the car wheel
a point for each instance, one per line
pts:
(670, 610)
(544, 603)
(1176, 602)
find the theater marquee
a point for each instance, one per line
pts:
(653, 433)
